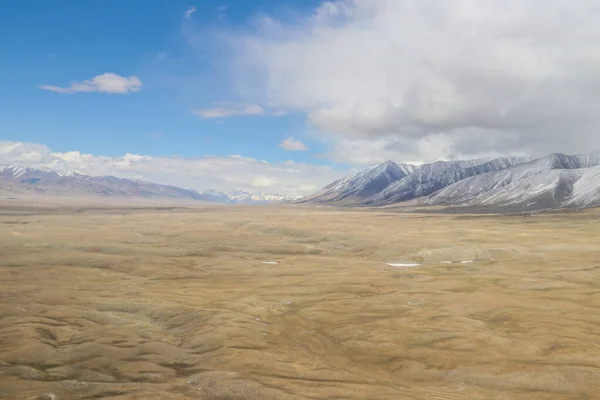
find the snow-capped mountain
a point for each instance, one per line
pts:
(432, 177)
(507, 183)
(364, 184)
(20, 179)
(553, 181)
(502, 184)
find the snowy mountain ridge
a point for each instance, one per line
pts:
(554, 181)
(435, 176)
(504, 183)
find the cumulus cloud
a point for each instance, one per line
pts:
(219, 173)
(292, 144)
(26, 153)
(464, 77)
(105, 83)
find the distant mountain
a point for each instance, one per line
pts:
(496, 185)
(242, 197)
(19, 179)
(15, 178)
(554, 181)
(432, 177)
(356, 188)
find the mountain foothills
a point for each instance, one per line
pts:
(496, 185)
(16, 179)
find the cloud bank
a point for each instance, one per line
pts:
(219, 173)
(434, 79)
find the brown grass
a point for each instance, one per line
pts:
(176, 304)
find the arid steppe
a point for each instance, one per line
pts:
(294, 302)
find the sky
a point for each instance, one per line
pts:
(288, 95)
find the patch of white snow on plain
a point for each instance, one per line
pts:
(270, 262)
(403, 264)
(458, 262)
(468, 261)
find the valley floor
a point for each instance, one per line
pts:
(294, 302)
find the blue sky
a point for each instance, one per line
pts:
(287, 95)
(55, 43)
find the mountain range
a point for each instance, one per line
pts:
(16, 179)
(500, 184)
(492, 184)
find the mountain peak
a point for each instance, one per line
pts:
(361, 185)
(388, 163)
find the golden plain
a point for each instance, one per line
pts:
(291, 302)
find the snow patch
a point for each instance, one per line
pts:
(403, 264)
(468, 261)
(270, 262)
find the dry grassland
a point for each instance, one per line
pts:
(177, 304)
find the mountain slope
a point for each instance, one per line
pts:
(557, 180)
(362, 185)
(432, 177)
(586, 190)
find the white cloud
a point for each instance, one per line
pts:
(442, 146)
(262, 181)
(464, 77)
(231, 111)
(220, 173)
(188, 13)
(105, 83)
(228, 110)
(292, 144)
(27, 153)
